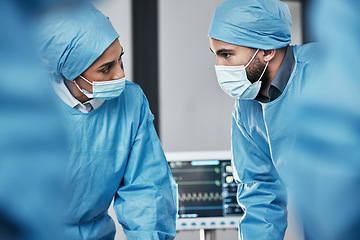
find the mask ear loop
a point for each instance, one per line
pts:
(83, 79)
(252, 58)
(86, 80)
(77, 86)
(267, 63)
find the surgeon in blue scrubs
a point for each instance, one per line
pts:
(256, 65)
(115, 152)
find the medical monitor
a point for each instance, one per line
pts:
(206, 190)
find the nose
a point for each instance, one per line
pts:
(119, 71)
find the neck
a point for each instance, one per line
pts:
(273, 67)
(75, 91)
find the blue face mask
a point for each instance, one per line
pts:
(104, 90)
(233, 80)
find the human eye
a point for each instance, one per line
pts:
(225, 55)
(106, 69)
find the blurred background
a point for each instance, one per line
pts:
(167, 54)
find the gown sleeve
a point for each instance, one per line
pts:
(261, 193)
(145, 203)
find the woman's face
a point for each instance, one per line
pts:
(107, 67)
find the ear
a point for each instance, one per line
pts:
(269, 55)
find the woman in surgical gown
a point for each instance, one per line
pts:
(115, 152)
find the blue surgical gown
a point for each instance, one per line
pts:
(115, 152)
(31, 137)
(327, 146)
(259, 145)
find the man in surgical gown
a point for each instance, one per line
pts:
(256, 65)
(114, 149)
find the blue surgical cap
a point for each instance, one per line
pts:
(70, 41)
(263, 24)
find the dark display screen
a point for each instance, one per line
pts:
(206, 188)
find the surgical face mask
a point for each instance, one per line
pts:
(233, 80)
(104, 90)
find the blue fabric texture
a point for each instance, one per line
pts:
(72, 40)
(260, 143)
(327, 119)
(32, 139)
(263, 24)
(115, 152)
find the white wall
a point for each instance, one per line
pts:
(119, 12)
(296, 29)
(195, 113)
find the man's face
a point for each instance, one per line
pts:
(228, 54)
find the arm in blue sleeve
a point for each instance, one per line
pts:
(145, 202)
(261, 193)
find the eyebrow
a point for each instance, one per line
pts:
(224, 50)
(112, 62)
(107, 64)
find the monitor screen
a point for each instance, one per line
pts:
(206, 189)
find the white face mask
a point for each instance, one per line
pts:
(104, 90)
(233, 80)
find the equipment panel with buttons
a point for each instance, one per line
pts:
(208, 223)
